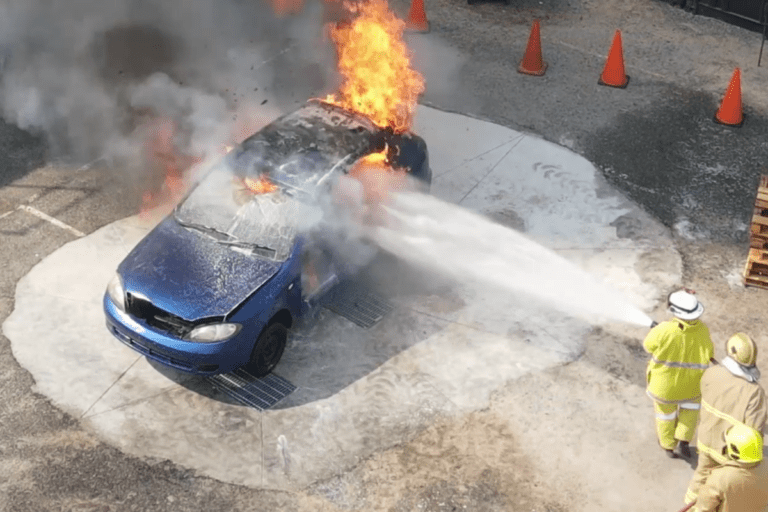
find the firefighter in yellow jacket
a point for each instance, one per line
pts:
(730, 396)
(680, 350)
(740, 484)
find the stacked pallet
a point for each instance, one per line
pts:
(756, 270)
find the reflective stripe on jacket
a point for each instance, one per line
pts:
(734, 488)
(680, 352)
(727, 400)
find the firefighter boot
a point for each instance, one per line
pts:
(682, 450)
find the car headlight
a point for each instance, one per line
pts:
(116, 292)
(213, 332)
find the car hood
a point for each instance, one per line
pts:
(187, 274)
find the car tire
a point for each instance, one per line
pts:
(268, 350)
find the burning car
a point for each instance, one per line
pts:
(218, 283)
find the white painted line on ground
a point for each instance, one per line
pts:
(55, 222)
(36, 195)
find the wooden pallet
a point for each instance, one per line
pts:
(759, 227)
(756, 269)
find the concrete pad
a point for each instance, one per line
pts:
(485, 358)
(220, 440)
(80, 257)
(388, 406)
(442, 352)
(53, 331)
(140, 381)
(453, 185)
(459, 143)
(347, 352)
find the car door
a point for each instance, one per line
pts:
(318, 273)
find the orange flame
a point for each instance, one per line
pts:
(379, 81)
(378, 178)
(262, 185)
(167, 163)
(375, 159)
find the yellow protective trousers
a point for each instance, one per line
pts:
(675, 422)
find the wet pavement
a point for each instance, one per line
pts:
(443, 351)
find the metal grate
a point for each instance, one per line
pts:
(258, 393)
(358, 304)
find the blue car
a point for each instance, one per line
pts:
(220, 281)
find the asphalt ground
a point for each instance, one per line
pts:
(655, 140)
(650, 139)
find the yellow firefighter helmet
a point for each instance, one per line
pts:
(742, 349)
(744, 444)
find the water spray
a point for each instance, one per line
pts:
(468, 246)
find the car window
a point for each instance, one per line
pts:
(266, 223)
(297, 174)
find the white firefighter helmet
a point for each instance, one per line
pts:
(684, 305)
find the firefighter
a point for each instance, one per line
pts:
(730, 395)
(680, 351)
(741, 483)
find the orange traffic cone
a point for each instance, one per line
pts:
(532, 63)
(729, 112)
(613, 72)
(417, 19)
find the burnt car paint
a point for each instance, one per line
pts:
(178, 277)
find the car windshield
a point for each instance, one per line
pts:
(223, 207)
(257, 195)
(297, 174)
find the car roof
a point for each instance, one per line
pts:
(299, 149)
(318, 129)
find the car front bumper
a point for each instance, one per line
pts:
(186, 356)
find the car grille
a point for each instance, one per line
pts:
(154, 354)
(156, 317)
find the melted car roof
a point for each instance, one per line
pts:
(318, 133)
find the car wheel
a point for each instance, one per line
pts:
(268, 350)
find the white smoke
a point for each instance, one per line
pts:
(441, 65)
(77, 71)
(206, 114)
